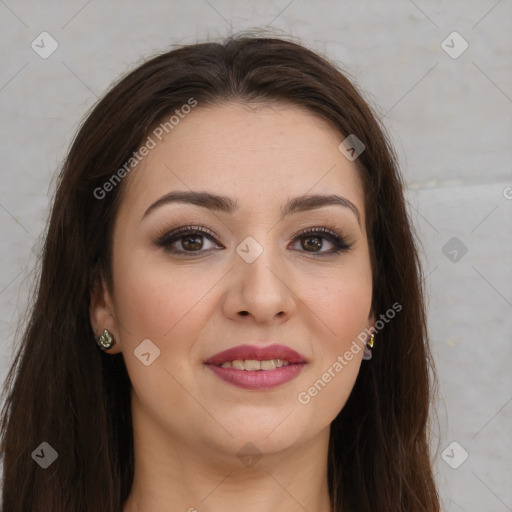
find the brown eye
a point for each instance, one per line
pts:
(312, 241)
(192, 243)
(187, 240)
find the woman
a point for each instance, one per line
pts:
(229, 312)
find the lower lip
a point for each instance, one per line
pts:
(258, 379)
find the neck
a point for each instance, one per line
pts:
(170, 475)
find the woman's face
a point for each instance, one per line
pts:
(250, 279)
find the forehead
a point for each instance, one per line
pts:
(258, 154)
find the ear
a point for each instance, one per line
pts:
(102, 314)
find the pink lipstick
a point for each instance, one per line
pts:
(257, 368)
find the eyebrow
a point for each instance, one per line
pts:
(226, 204)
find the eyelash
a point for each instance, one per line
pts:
(166, 240)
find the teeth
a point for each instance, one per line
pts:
(269, 365)
(254, 365)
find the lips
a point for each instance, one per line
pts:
(257, 379)
(252, 352)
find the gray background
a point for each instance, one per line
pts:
(449, 119)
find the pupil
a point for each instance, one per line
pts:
(317, 245)
(196, 242)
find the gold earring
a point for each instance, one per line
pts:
(367, 353)
(106, 340)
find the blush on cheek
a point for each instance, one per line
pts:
(152, 305)
(343, 309)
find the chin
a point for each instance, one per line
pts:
(268, 437)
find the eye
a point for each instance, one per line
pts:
(311, 240)
(189, 238)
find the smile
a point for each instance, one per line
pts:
(254, 364)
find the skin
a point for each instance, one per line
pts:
(189, 425)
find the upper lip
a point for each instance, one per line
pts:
(254, 352)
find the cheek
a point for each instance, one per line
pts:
(340, 306)
(340, 301)
(155, 300)
(327, 387)
(162, 304)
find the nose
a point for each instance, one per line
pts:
(261, 289)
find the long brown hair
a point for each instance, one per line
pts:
(61, 389)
